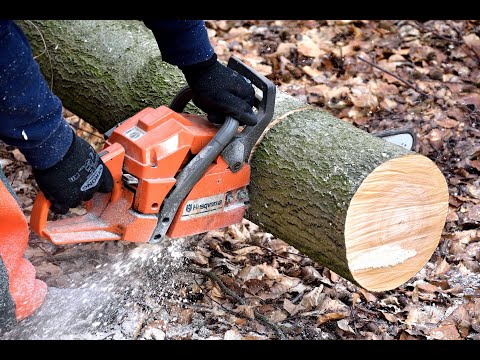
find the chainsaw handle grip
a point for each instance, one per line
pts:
(39, 215)
(112, 157)
(238, 150)
(265, 105)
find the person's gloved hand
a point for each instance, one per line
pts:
(220, 91)
(76, 178)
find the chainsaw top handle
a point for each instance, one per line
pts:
(238, 150)
(225, 138)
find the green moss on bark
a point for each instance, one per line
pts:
(105, 71)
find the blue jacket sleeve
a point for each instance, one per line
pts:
(181, 42)
(30, 114)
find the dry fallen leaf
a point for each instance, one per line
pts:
(441, 268)
(290, 307)
(312, 299)
(390, 317)
(308, 302)
(322, 319)
(445, 332)
(281, 286)
(246, 310)
(255, 285)
(473, 190)
(425, 315)
(269, 271)
(436, 138)
(368, 296)
(473, 214)
(472, 98)
(355, 299)
(310, 274)
(466, 236)
(284, 49)
(185, 316)
(279, 246)
(249, 250)
(258, 272)
(363, 98)
(333, 305)
(5, 162)
(447, 123)
(18, 155)
(426, 287)
(333, 276)
(232, 334)
(343, 324)
(196, 257)
(307, 47)
(406, 336)
(472, 40)
(277, 316)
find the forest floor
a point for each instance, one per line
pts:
(243, 283)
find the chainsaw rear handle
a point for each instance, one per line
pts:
(112, 157)
(238, 150)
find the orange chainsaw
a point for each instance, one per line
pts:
(175, 174)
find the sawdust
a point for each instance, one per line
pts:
(381, 256)
(110, 303)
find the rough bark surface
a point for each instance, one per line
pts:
(304, 172)
(104, 70)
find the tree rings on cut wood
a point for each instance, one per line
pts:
(394, 221)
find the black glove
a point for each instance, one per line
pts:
(220, 91)
(77, 177)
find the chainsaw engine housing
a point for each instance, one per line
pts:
(158, 143)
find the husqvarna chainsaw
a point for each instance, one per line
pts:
(175, 174)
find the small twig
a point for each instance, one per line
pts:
(88, 132)
(199, 308)
(44, 51)
(412, 86)
(230, 311)
(138, 328)
(437, 34)
(460, 43)
(263, 319)
(54, 260)
(218, 281)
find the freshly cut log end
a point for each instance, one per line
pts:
(394, 221)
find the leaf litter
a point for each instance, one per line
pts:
(426, 77)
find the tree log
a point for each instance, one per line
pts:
(369, 210)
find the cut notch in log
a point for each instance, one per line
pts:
(394, 221)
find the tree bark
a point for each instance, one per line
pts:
(371, 211)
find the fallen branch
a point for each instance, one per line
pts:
(454, 41)
(263, 319)
(412, 86)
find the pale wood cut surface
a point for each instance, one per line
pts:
(394, 221)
